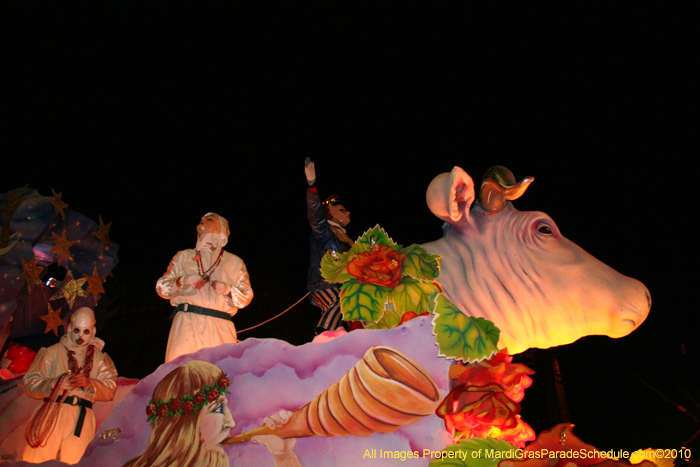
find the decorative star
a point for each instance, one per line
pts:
(70, 289)
(103, 234)
(58, 203)
(95, 285)
(53, 320)
(31, 272)
(62, 247)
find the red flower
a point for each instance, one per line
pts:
(188, 407)
(163, 410)
(175, 404)
(200, 398)
(213, 394)
(224, 382)
(381, 265)
(151, 410)
(409, 315)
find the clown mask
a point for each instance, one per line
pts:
(81, 328)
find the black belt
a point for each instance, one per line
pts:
(200, 310)
(83, 404)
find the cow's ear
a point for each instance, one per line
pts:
(450, 195)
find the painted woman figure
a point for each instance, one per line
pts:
(207, 286)
(190, 419)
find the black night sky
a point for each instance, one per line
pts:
(154, 115)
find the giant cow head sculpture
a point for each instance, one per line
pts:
(517, 270)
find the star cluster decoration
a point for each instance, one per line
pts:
(70, 289)
(53, 320)
(64, 239)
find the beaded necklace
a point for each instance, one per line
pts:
(73, 367)
(206, 275)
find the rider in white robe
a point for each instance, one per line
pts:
(207, 292)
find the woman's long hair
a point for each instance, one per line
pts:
(175, 441)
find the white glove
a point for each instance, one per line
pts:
(195, 280)
(221, 288)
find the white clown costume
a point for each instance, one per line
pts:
(202, 317)
(75, 421)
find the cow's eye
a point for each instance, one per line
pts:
(544, 229)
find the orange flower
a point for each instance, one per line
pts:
(477, 414)
(497, 374)
(381, 265)
(485, 401)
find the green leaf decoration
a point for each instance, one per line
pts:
(380, 237)
(419, 264)
(335, 270)
(356, 249)
(364, 302)
(458, 336)
(390, 319)
(489, 328)
(475, 452)
(411, 295)
(432, 300)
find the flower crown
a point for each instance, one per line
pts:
(188, 403)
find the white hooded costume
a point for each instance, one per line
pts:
(45, 372)
(191, 330)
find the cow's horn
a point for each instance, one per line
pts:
(498, 186)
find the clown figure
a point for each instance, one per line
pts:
(70, 376)
(207, 286)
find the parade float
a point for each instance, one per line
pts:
(430, 380)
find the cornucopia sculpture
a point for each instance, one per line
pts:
(382, 392)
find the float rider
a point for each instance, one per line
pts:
(328, 220)
(207, 286)
(70, 377)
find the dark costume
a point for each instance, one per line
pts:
(324, 237)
